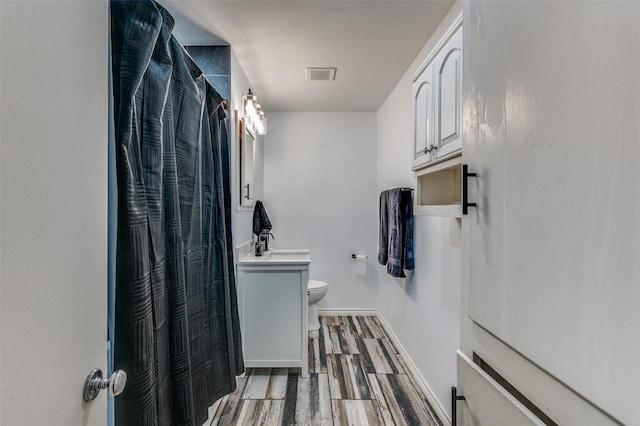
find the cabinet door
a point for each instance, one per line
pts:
(271, 317)
(423, 117)
(553, 245)
(448, 65)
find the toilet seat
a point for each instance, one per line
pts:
(315, 285)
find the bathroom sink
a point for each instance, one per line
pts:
(279, 257)
(288, 255)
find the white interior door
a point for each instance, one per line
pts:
(551, 128)
(53, 247)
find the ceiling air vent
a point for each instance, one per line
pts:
(321, 74)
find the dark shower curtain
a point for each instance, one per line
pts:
(176, 321)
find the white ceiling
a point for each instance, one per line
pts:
(372, 43)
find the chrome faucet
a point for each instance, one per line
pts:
(262, 243)
(259, 248)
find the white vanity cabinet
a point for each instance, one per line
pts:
(273, 306)
(437, 95)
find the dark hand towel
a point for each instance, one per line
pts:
(406, 203)
(383, 238)
(396, 231)
(260, 219)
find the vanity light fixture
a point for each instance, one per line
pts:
(254, 114)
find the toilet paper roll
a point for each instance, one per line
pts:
(361, 265)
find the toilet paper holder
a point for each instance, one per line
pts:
(354, 256)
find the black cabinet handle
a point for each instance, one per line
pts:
(454, 406)
(465, 189)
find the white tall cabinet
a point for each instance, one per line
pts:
(437, 96)
(551, 283)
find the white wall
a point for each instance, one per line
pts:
(423, 311)
(242, 216)
(320, 194)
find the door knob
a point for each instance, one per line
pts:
(95, 383)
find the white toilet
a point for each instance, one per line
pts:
(317, 290)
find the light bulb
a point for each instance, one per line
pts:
(261, 124)
(250, 102)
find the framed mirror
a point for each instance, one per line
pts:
(246, 146)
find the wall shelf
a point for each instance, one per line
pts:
(438, 189)
(449, 210)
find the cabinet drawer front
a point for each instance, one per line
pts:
(486, 402)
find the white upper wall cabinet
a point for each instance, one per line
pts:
(436, 95)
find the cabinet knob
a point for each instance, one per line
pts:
(431, 148)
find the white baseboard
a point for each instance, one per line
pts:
(424, 386)
(328, 312)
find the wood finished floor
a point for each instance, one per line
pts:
(356, 377)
